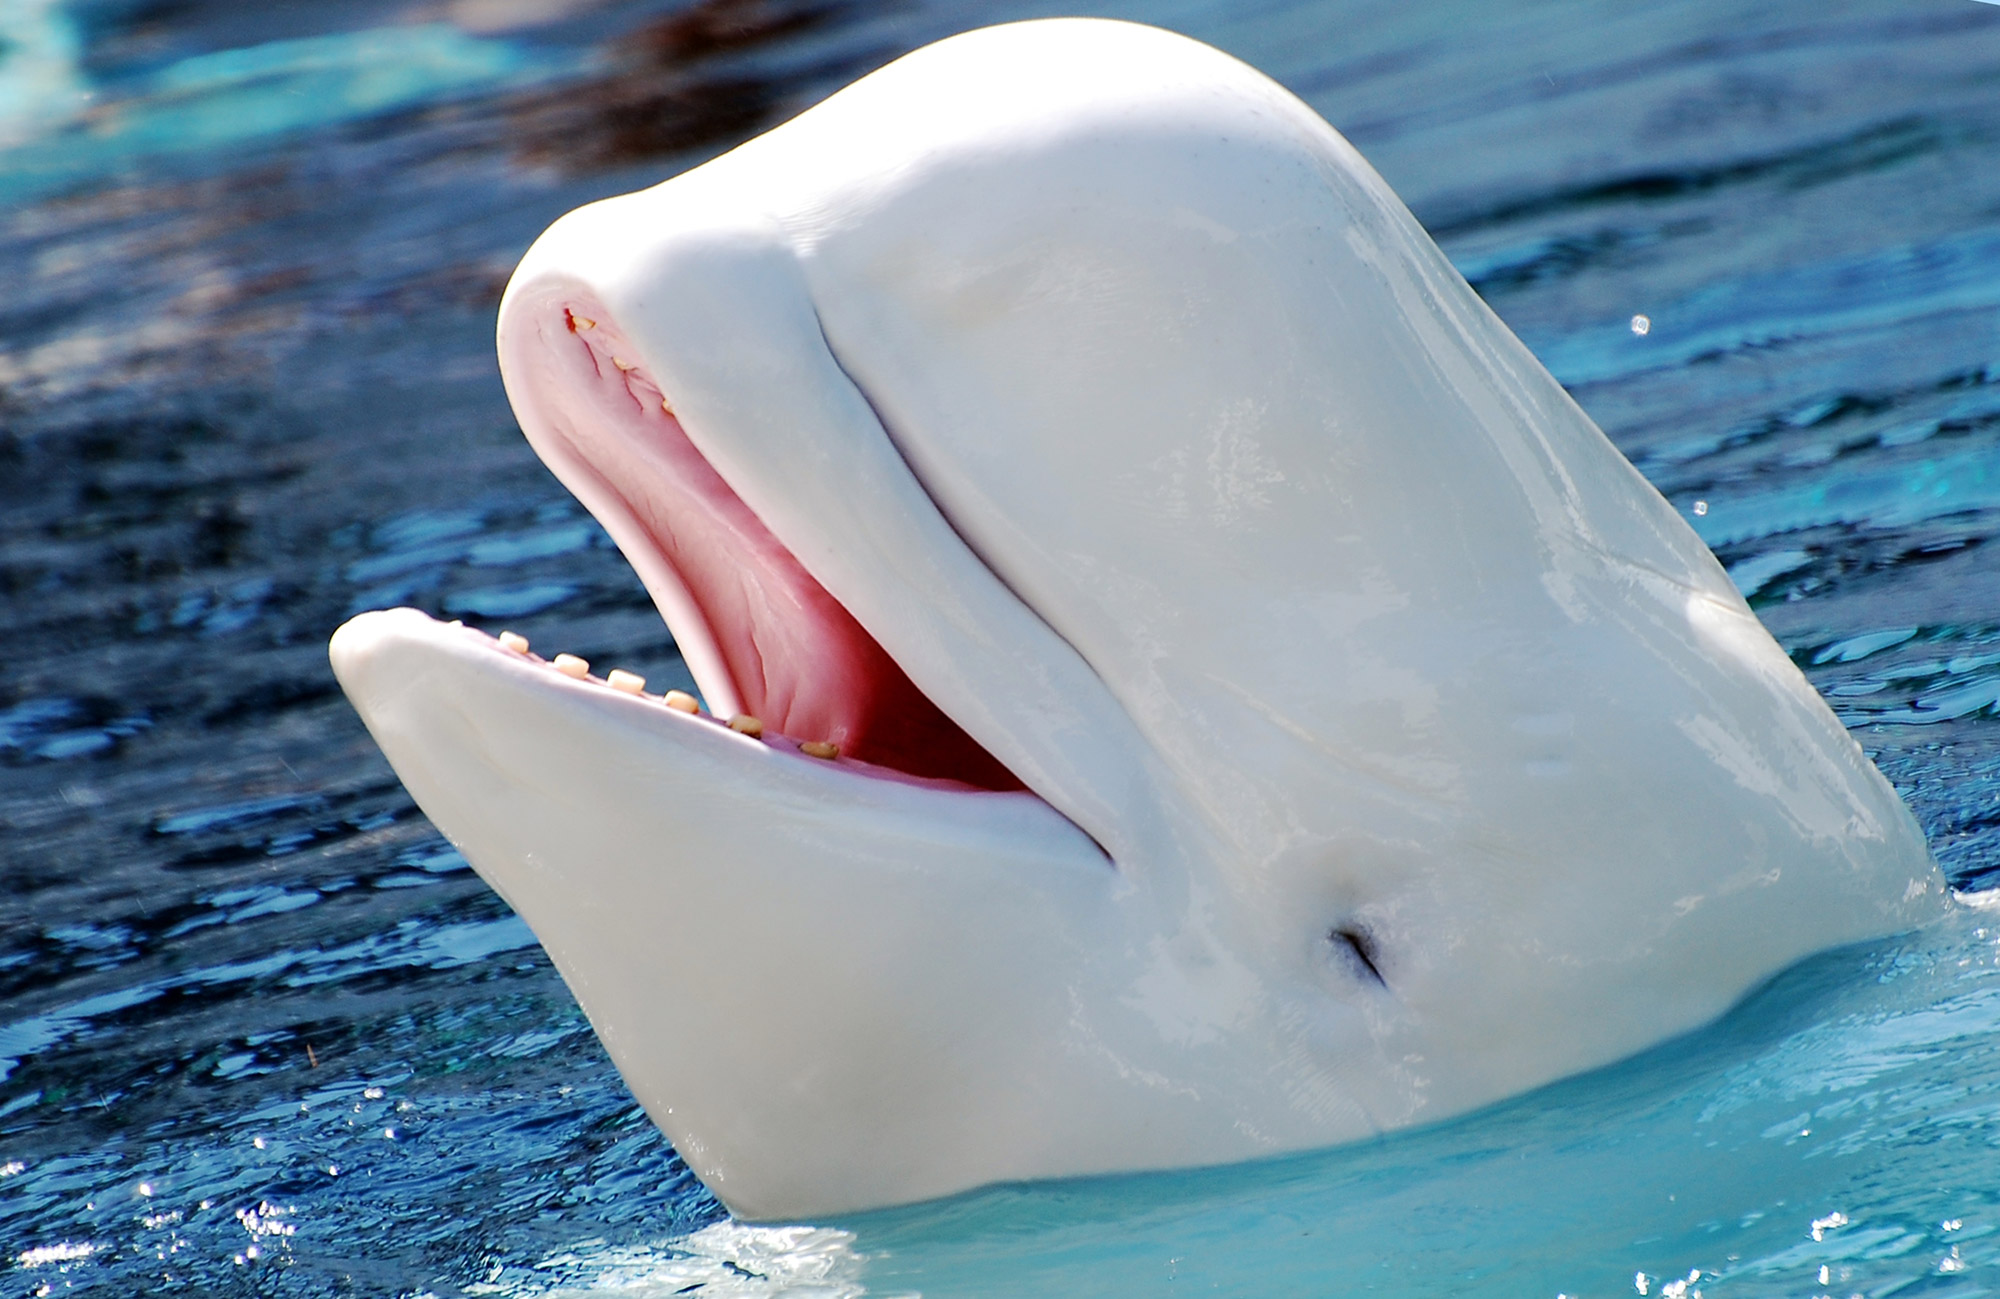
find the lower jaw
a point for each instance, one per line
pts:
(677, 708)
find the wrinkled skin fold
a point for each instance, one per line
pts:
(1270, 712)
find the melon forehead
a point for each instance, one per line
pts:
(1200, 328)
(1327, 557)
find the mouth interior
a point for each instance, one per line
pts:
(761, 635)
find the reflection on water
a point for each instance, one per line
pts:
(262, 1032)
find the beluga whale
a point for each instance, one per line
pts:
(1179, 681)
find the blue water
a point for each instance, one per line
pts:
(262, 1032)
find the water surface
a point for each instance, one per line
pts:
(262, 1032)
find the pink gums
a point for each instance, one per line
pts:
(795, 658)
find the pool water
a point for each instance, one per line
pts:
(263, 1033)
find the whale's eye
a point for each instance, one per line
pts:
(1354, 949)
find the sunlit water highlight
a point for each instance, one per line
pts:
(261, 1032)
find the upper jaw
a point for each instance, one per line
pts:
(761, 636)
(714, 305)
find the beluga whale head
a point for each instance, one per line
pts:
(1182, 681)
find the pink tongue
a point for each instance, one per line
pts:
(795, 658)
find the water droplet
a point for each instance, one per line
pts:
(1701, 507)
(1642, 325)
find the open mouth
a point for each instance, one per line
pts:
(775, 655)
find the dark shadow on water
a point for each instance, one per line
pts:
(680, 85)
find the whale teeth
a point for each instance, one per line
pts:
(681, 701)
(577, 322)
(630, 682)
(624, 364)
(745, 724)
(820, 749)
(515, 641)
(666, 406)
(572, 666)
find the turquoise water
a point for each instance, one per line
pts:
(262, 1032)
(1844, 1119)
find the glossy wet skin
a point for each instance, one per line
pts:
(1144, 432)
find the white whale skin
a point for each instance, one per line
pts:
(1393, 746)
